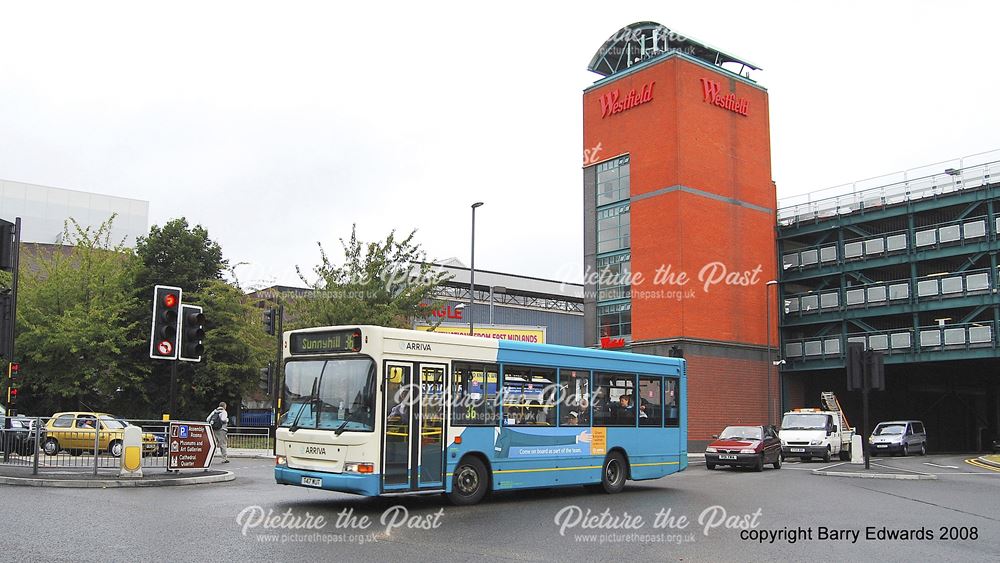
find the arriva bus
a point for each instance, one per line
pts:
(372, 410)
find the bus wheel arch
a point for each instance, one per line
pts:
(628, 463)
(474, 470)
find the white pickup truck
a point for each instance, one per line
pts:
(808, 433)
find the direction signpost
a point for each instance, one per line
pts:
(191, 445)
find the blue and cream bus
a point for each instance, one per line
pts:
(372, 410)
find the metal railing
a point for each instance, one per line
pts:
(965, 336)
(880, 294)
(937, 179)
(73, 447)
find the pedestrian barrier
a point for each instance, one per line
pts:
(44, 443)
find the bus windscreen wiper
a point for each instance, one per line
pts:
(350, 418)
(311, 401)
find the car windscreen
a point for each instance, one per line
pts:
(112, 423)
(741, 433)
(330, 394)
(889, 429)
(798, 421)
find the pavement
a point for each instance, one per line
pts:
(82, 475)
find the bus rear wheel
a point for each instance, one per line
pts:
(613, 473)
(469, 482)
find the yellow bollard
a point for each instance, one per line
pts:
(131, 467)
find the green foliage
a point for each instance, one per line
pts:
(385, 283)
(73, 322)
(179, 255)
(236, 348)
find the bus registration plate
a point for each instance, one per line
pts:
(312, 482)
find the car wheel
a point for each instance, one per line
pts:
(777, 462)
(759, 464)
(51, 447)
(469, 482)
(709, 466)
(826, 456)
(613, 473)
(905, 451)
(845, 455)
(115, 449)
(923, 449)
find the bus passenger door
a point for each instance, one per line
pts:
(413, 423)
(396, 423)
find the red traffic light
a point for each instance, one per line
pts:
(15, 367)
(170, 300)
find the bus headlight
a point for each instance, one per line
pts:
(280, 460)
(366, 468)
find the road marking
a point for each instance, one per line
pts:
(980, 465)
(945, 466)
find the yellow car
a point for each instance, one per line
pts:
(75, 433)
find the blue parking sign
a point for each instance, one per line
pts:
(184, 431)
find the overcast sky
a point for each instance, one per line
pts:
(278, 125)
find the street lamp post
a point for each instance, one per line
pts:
(767, 322)
(472, 265)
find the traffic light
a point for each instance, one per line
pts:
(856, 359)
(269, 321)
(192, 339)
(14, 382)
(163, 337)
(875, 365)
(266, 377)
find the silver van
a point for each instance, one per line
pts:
(898, 436)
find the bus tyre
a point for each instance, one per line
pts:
(613, 473)
(469, 482)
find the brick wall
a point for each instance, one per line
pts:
(725, 391)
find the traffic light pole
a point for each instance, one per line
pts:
(173, 387)
(864, 424)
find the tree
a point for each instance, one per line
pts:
(179, 255)
(74, 322)
(385, 283)
(235, 349)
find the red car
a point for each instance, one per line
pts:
(745, 446)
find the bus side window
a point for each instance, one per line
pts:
(474, 391)
(671, 402)
(650, 402)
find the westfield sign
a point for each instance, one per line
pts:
(711, 89)
(614, 102)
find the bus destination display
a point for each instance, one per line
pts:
(326, 342)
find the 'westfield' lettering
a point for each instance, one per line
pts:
(613, 102)
(711, 90)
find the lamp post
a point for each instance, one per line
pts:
(472, 265)
(767, 322)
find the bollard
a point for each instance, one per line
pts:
(131, 460)
(857, 451)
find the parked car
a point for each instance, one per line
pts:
(747, 446)
(19, 436)
(76, 432)
(898, 436)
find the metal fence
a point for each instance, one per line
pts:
(92, 445)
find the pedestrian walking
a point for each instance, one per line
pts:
(219, 419)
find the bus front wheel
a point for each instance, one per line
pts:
(613, 473)
(469, 482)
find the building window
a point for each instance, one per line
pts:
(613, 181)
(613, 228)
(615, 320)
(614, 275)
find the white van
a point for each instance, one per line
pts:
(898, 436)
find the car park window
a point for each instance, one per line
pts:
(64, 421)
